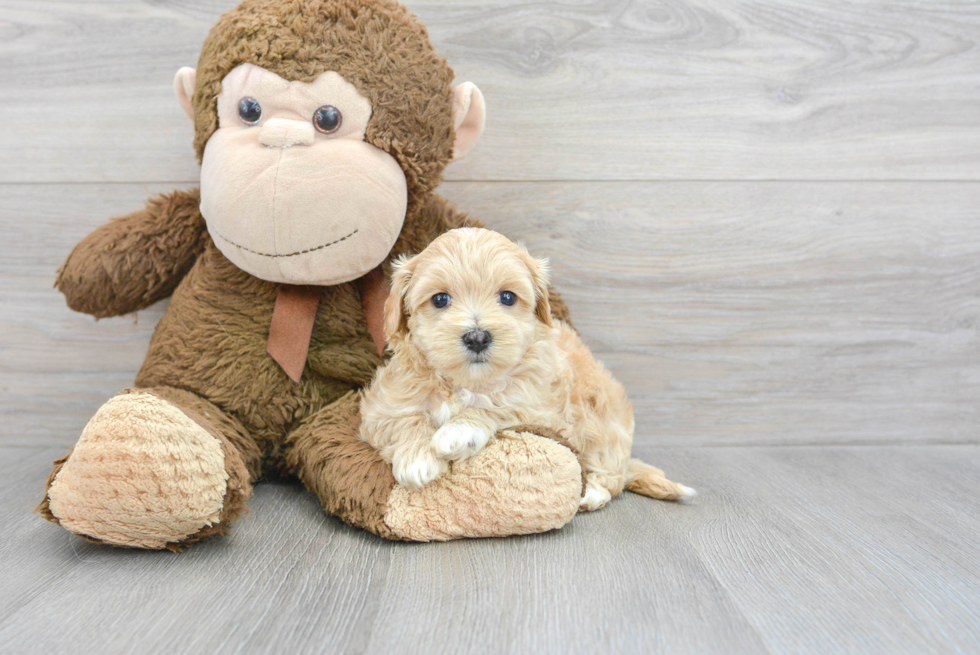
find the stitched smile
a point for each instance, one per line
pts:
(292, 254)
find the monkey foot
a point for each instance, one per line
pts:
(142, 475)
(520, 483)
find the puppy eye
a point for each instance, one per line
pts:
(507, 298)
(327, 119)
(249, 110)
(440, 300)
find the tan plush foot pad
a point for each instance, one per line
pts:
(142, 474)
(519, 484)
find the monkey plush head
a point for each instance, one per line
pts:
(319, 125)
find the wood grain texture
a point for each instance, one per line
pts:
(766, 219)
(787, 550)
(608, 89)
(800, 534)
(735, 313)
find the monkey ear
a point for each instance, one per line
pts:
(184, 83)
(469, 116)
(395, 320)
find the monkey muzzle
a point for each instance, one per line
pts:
(289, 208)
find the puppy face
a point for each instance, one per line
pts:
(470, 304)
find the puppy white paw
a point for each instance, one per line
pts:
(457, 441)
(416, 472)
(595, 497)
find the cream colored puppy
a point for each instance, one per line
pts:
(475, 350)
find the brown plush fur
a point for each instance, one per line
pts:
(352, 482)
(44, 507)
(242, 457)
(380, 47)
(208, 353)
(212, 342)
(135, 260)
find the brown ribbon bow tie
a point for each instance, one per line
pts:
(295, 313)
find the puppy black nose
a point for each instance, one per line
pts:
(477, 340)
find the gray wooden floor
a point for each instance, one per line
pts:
(806, 549)
(766, 219)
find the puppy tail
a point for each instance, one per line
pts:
(650, 481)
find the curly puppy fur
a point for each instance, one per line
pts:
(476, 350)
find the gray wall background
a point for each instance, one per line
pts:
(765, 215)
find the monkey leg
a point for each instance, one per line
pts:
(154, 468)
(522, 482)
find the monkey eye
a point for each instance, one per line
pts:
(508, 298)
(249, 110)
(327, 119)
(440, 300)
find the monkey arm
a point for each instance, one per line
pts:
(135, 260)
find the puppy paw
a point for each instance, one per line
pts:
(416, 472)
(595, 497)
(456, 441)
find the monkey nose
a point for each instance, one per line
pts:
(477, 340)
(282, 133)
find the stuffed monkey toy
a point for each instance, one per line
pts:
(322, 128)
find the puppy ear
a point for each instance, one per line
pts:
(396, 320)
(541, 281)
